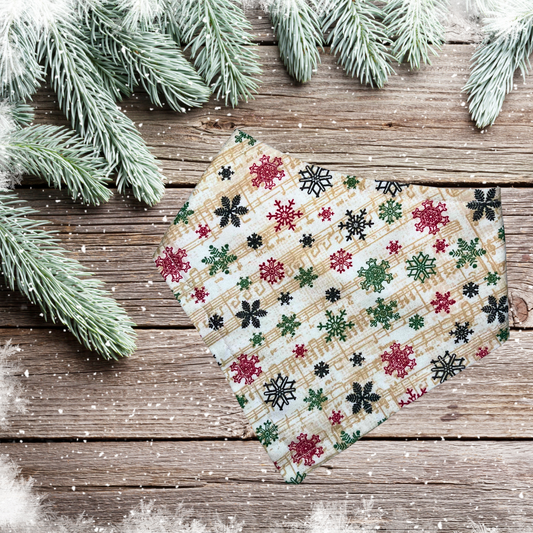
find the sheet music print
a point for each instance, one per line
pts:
(364, 315)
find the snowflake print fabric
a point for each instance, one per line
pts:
(331, 301)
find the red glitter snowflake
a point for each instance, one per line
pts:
(203, 230)
(267, 172)
(440, 245)
(336, 417)
(200, 294)
(326, 213)
(340, 261)
(442, 302)
(304, 449)
(482, 352)
(398, 359)
(412, 396)
(393, 247)
(285, 215)
(246, 368)
(300, 350)
(272, 271)
(431, 216)
(173, 263)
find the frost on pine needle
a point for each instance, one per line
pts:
(140, 12)
(11, 400)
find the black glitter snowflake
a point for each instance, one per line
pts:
(216, 322)
(307, 240)
(279, 391)
(251, 313)
(362, 397)
(285, 298)
(255, 241)
(226, 172)
(496, 309)
(321, 369)
(470, 289)
(447, 366)
(357, 359)
(461, 332)
(484, 205)
(333, 294)
(391, 187)
(314, 180)
(230, 210)
(356, 224)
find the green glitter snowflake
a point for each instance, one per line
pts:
(503, 334)
(346, 440)
(244, 283)
(383, 313)
(501, 234)
(257, 339)
(315, 399)
(306, 277)
(219, 259)
(390, 211)
(267, 433)
(288, 324)
(242, 400)
(467, 253)
(183, 214)
(296, 480)
(241, 136)
(336, 326)
(351, 182)
(492, 278)
(416, 322)
(375, 275)
(421, 266)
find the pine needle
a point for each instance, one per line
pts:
(217, 33)
(416, 29)
(34, 262)
(359, 38)
(506, 48)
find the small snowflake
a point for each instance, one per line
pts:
(484, 205)
(183, 214)
(467, 253)
(178, 297)
(393, 247)
(321, 369)
(203, 231)
(300, 351)
(383, 313)
(272, 271)
(241, 136)
(440, 245)
(251, 314)
(482, 352)
(315, 399)
(492, 278)
(496, 309)
(357, 359)
(333, 295)
(304, 449)
(346, 440)
(461, 332)
(216, 322)
(242, 400)
(285, 215)
(421, 266)
(200, 294)
(314, 180)
(306, 276)
(503, 334)
(257, 339)
(279, 391)
(416, 322)
(336, 326)
(447, 366)
(398, 360)
(390, 211)
(173, 263)
(219, 259)
(231, 210)
(255, 241)
(244, 283)
(351, 182)
(288, 325)
(326, 213)
(267, 433)
(430, 216)
(470, 289)
(307, 240)
(356, 224)
(375, 275)
(442, 302)
(501, 234)
(266, 172)
(285, 298)
(362, 397)
(412, 396)
(245, 368)
(391, 187)
(336, 417)
(340, 261)
(226, 172)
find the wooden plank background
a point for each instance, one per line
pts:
(164, 425)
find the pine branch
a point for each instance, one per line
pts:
(506, 48)
(94, 114)
(150, 59)
(61, 158)
(218, 34)
(297, 28)
(359, 38)
(22, 114)
(416, 29)
(34, 262)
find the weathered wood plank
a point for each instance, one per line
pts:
(450, 481)
(122, 235)
(172, 388)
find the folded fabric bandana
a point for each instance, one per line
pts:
(331, 301)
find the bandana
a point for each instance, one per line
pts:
(330, 301)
